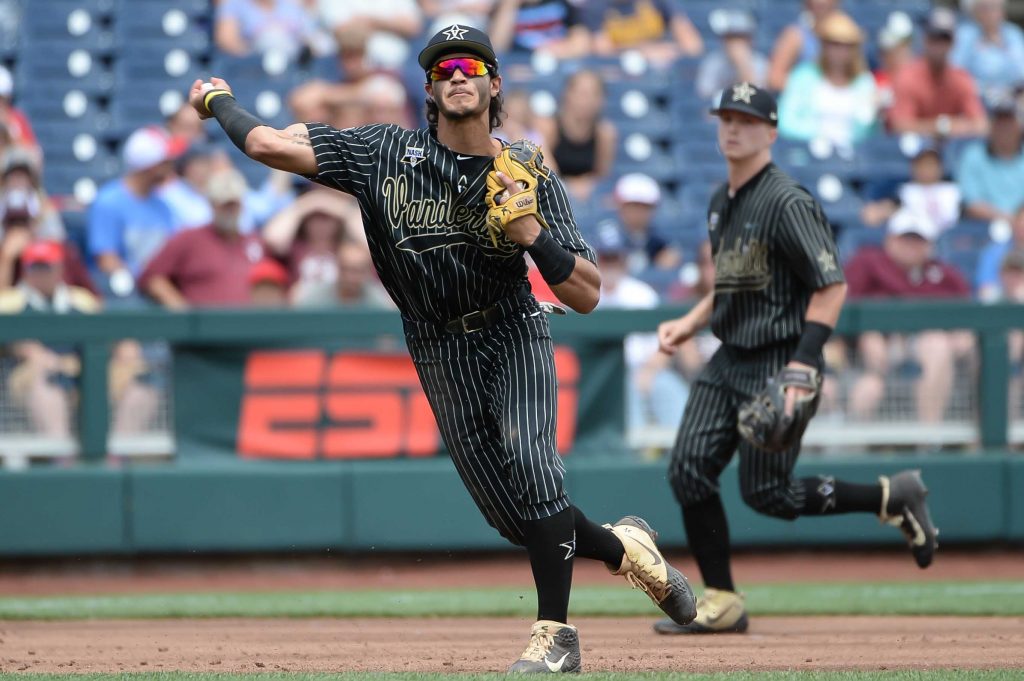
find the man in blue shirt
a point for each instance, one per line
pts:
(128, 221)
(987, 281)
(991, 173)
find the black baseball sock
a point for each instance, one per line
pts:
(594, 541)
(551, 544)
(707, 533)
(824, 495)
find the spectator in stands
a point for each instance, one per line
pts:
(268, 284)
(905, 268)
(306, 237)
(636, 199)
(129, 222)
(389, 25)
(895, 50)
(520, 121)
(186, 191)
(14, 119)
(46, 378)
(655, 397)
(658, 29)
(356, 284)
(581, 141)
(933, 97)
(990, 48)
(832, 98)
(991, 173)
(43, 381)
(244, 27)
(21, 174)
(735, 60)
(442, 13)
(798, 42)
(21, 227)
(928, 192)
(987, 276)
(546, 26)
(361, 95)
(207, 266)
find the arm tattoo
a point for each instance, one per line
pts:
(301, 139)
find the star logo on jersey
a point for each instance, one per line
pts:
(826, 260)
(414, 156)
(743, 92)
(454, 32)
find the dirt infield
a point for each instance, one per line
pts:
(506, 569)
(480, 645)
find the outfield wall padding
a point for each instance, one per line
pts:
(422, 506)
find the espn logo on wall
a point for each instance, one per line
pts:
(312, 404)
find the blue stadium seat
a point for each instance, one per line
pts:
(173, 67)
(968, 236)
(66, 19)
(50, 61)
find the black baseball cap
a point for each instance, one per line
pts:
(457, 38)
(749, 99)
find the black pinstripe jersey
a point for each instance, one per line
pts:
(772, 247)
(424, 214)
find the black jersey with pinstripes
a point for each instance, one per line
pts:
(772, 247)
(424, 214)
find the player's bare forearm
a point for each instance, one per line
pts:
(582, 290)
(289, 149)
(826, 304)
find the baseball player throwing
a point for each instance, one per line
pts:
(449, 212)
(778, 292)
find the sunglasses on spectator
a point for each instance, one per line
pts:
(471, 68)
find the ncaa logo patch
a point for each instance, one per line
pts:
(712, 222)
(414, 156)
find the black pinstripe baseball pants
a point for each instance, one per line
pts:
(493, 393)
(708, 438)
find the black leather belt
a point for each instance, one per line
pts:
(475, 321)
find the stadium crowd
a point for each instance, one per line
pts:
(903, 119)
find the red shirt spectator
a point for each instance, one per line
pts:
(904, 266)
(210, 265)
(933, 97)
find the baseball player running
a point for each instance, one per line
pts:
(449, 212)
(777, 295)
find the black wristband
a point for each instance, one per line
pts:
(236, 121)
(554, 262)
(813, 339)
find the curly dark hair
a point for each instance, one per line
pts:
(496, 110)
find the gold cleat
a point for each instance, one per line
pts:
(646, 569)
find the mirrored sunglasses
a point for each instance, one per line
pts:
(443, 70)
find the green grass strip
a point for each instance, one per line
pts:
(919, 598)
(934, 675)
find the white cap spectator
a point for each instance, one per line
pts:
(905, 221)
(147, 147)
(637, 188)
